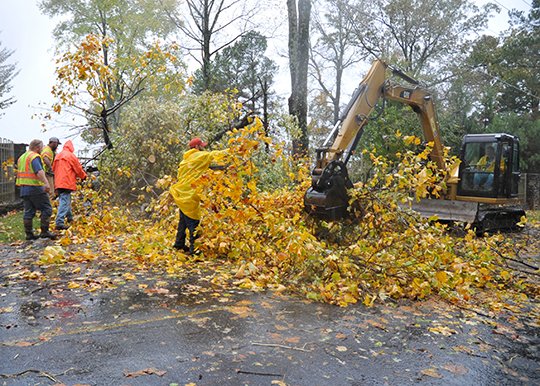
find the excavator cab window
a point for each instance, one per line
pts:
(514, 174)
(480, 164)
(490, 167)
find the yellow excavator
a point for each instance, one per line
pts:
(482, 190)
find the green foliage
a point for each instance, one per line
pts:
(241, 67)
(153, 136)
(274, 170)
(520, 54)
(497, 89)
(134, 24)
(380, 133)
(528, 132)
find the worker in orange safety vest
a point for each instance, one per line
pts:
(35, 190)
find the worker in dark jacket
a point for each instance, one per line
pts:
(35, 190)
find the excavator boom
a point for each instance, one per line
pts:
(327, 197)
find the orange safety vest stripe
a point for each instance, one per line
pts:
(25, 171)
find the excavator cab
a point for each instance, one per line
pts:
(490, 166)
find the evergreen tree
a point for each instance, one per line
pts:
(7, 73)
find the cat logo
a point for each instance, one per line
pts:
(406, 94)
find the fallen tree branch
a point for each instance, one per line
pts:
(514, 260)
(466, 308)
(280, 346)
(486, 343)
(523, 271)
(257, 373)
(520, 262)
(38, 372)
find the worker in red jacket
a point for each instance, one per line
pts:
(67, 169)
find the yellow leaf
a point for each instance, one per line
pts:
(52, 255)
(441, 277)
(431, 372)
(455, 369)
(369, 300)
(443, 330)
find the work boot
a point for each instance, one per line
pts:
(180, 247)
(45, 234)
(29, 230)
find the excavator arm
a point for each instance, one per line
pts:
(327, 196)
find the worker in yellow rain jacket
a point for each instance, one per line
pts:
(483, 179)
(194, 164)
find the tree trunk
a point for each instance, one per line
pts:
(298, 63)
(105, 128)
(206, 37)
(337, 99)
(265, 90)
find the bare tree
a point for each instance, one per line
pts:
(423, 36)
(334, 51)
(298, 64)
(206, 23)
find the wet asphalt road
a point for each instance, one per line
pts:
(157, 330)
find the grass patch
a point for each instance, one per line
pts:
(533, 215)
(11, 227)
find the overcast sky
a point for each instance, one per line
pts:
(29, 33)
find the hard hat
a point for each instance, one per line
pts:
(197, 142)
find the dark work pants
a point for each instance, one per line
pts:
(190, 224)
(37, 202)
